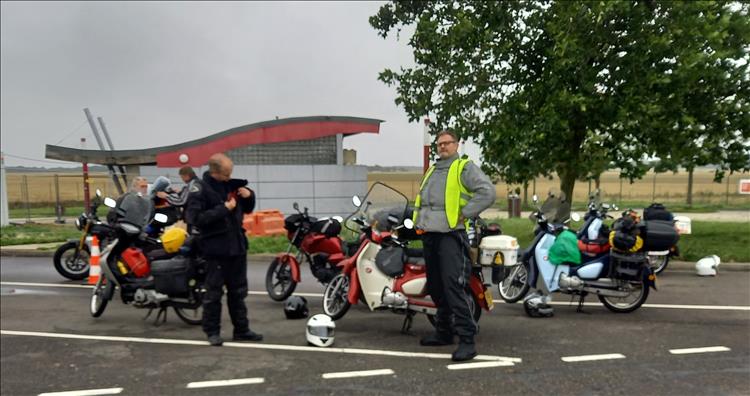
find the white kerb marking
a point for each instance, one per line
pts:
(588, 358)
(231, 382)
(89, 392)
(699, 350)
(366, 373)
(475, 365)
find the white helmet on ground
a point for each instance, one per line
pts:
(320, 330)
(707, 265)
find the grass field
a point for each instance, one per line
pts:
(729, 241)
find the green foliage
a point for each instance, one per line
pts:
(269, 244)
(575, 87)
(37, 233)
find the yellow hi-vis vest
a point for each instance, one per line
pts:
(456, 195)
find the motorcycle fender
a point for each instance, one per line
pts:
(477, 289)
(293, 264)
(353, 287)
(650, 277)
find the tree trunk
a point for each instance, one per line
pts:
(598, 181)
(690, 187)
(567, 182)
(525, 193)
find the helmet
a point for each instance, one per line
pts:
(295, 307)
(173, 239)
(320, 330)
(707, 265)
(537, 306)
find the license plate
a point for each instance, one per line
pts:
(488, 298)
(498, 259)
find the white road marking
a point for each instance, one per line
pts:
(587, 358)
(231, 382)
(366, 373)
(464, 366)
(356, 351)
(90, 392)
(699, 350)
(561, 303)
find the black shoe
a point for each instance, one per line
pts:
(215, 340)
(465, 351)
(249, 336)
(437, 339)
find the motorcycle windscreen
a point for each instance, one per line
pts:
(556, 208)
(134, 209)
(383, 207)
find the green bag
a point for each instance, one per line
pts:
(565, 249)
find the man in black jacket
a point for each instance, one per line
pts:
(215, 209)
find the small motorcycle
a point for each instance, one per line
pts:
(620, 281)
(384, 273)
(146, 275)
(317, 242)
(71, 259)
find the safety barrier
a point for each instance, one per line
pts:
(264, 223)
(94, 270)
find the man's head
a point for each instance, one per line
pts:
(220, 167)
(139, 185)
(186, 173)
(447, 144)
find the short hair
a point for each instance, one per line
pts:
(447, 132)
(214, 165)
(136, 181)
(187, 171)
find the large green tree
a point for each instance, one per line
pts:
(573, 87)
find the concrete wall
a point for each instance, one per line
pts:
(325, 189)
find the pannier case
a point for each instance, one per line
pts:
(505, 244)
(658, 235)
(171, 276)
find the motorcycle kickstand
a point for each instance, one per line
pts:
(580, 304)
(408, 320)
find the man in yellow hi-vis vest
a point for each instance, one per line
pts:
(453, 190)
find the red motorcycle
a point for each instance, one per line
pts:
(384, 273)
(317, 242)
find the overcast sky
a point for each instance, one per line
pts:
(161, 73)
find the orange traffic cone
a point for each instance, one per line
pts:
(94, 270)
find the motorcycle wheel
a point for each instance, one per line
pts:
(627, 304)
(476, 312)
(69, 264)
(658, 263)
(515, 284)
(190, 316)
(335, 297)
(103, 292)
(279, 282)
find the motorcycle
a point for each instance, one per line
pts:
(384, 273)
(71, 259)
(620, 281)
(317, 242)
(659, 259)
(147, 274)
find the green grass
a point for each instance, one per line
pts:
(681, 207)
(270, 244)
(37, 233)
(44, 211)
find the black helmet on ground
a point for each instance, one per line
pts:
(295, 307)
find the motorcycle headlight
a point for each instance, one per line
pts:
(81, 222)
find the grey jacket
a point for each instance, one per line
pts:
(432, 217)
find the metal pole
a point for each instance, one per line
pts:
(653, 193)
(101, 147)
(4, 216)
(112, 147)
(727, 195)
(25, 192)
(426, 144)
(86, 198)
(58, 205)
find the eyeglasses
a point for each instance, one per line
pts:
(443, 144)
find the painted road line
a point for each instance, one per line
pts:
(354, 351)
(351, 374)
(89, 392)
(464, 366)
(588, 358)
(699, 350)
(231, 382)
(320, 295)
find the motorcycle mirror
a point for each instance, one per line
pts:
(98, 192)
(606, 206)
(295, 206)
(109, 202)
(575, 216)
(356, 201)
(338, 218)
(408, 224)
(161, 218)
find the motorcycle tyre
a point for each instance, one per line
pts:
(637, 304)
(476, 312)
(338, 314)
(510, 299)
(659, 266)
(100, 296)
(62, 269)
(190, 319)
(272, 275)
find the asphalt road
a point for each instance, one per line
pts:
(50, 343)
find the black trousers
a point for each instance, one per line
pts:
(448, 274)
(232, 273)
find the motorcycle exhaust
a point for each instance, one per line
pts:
(570, 282)
(396, 300)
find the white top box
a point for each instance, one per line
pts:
(498, 242)
(682, 223)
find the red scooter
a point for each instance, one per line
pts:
(317, 241)
(384, 273)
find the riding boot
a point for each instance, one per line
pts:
(466, 350)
